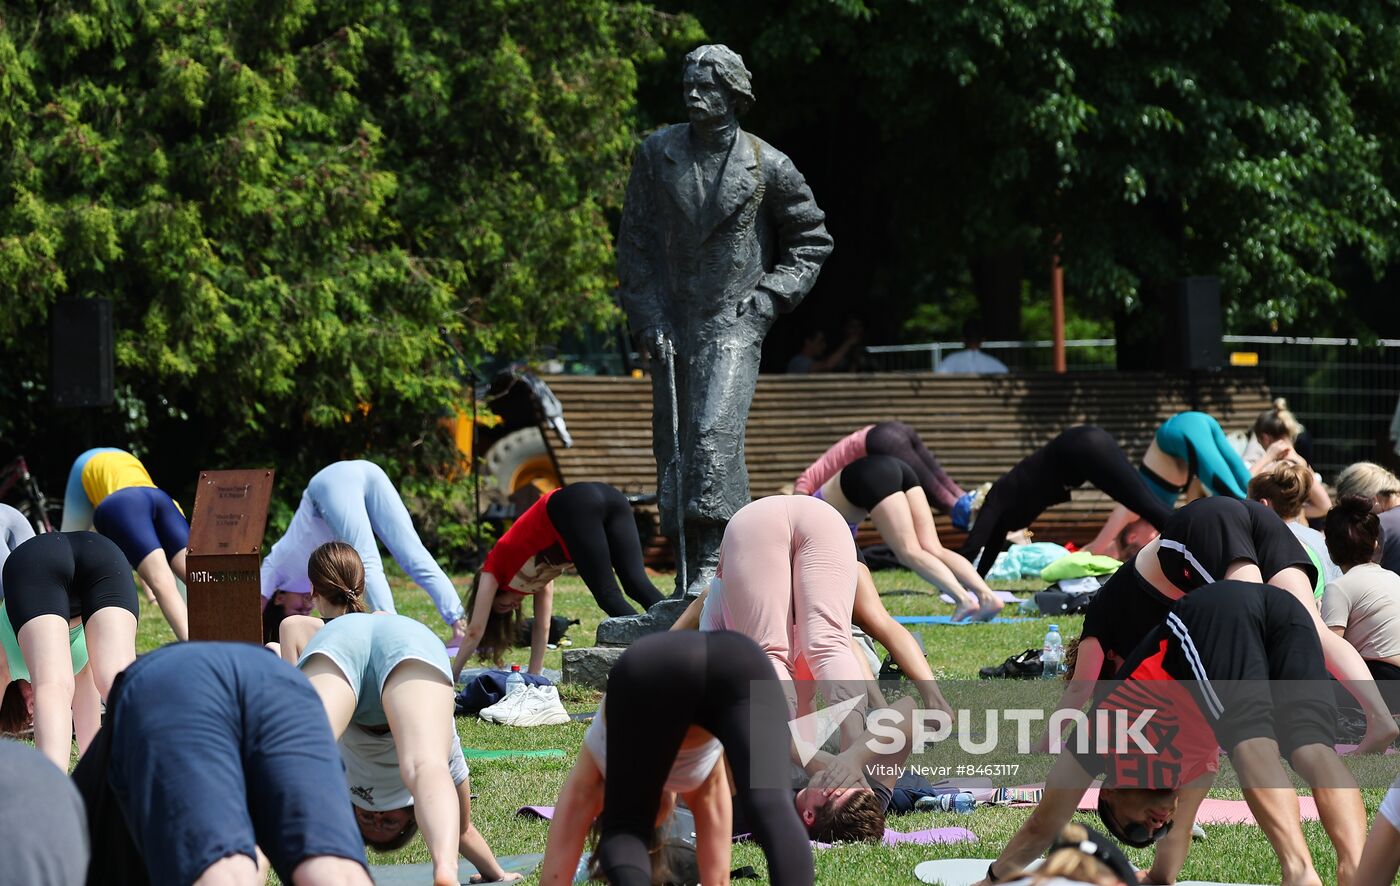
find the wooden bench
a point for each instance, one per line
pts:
(977, 426)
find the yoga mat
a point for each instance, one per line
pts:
(930, 836)
(1003, 596)
(1351, 749)
(948, 620)
(545, 812)
(966, 871)
(1214, 811)
(479, 754)
(418, 874)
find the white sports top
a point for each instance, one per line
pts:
(690, 769)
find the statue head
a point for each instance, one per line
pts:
(715, 83)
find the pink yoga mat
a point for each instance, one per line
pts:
(1214, 811)
(925, 837)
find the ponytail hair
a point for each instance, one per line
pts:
(1277, 423)
(1286, 486)
(1353, 530)
(338, 575)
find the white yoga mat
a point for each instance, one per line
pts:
(966, 871)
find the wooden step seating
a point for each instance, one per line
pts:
(977, 426)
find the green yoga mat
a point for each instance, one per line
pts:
(478, 754)
(419, 874)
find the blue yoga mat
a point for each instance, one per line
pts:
(418, 874)
(948, 620)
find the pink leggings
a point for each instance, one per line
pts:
(788, 571)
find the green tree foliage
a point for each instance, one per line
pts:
(1252, 140)
(287, 200)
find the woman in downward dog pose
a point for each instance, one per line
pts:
(892, 438)
(588, 524)
(389, 674)
(68, 597)
(1079, 455)
(678, 705)
(887, 489)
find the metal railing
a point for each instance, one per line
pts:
(1345, 392)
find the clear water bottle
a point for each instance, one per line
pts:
(961, 802)
(516, 681)
(1052, 654)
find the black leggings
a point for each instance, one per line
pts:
(663, 685)
(868, 481)
(1089, 454)
(897, 439)
(596, 523)
(68, 574)
(1079, 455)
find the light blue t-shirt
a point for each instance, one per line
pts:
(366, 647)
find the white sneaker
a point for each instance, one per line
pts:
(536, 706)
(503, 708)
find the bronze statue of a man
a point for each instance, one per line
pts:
(719, 234)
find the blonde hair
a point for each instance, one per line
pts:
(1286, 486)
(338, 575)
(1071, 864)
(1368, 479)
(1277, 422)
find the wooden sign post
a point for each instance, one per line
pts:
(225, 553)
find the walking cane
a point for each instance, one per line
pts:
(669, 349)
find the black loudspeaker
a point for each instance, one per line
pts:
(1199, 326)
(80, 352)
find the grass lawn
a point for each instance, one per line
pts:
(1234, 853)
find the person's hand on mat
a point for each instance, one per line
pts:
(510, 877)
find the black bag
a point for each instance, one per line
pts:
(1025, 666)
(1052, 602)
(558, 626)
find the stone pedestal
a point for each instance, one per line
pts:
(590, 666)
(622, 630)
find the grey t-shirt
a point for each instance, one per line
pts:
(14, 531)
(42, 818)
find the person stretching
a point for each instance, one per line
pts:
(678, 705)
(1380, 860)
(17, 690)
(1188, 446)
(14, 531)
(892, 438)
(1079, 455)
(1279, 437)
(1363, 606)
(96, 474)
(353, 502)
(214, 756)
(374, 671)
(1235, 666)
(383, 806)
(888, 490)
(1216, 538)
(1286, 489)
(55, 583)
(147, 525)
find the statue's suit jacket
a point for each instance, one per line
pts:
(686, 263)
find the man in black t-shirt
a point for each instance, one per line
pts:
(1237, 666)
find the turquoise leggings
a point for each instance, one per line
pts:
(1196, 438)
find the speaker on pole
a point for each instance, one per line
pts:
(80, 352)
(1199, 325)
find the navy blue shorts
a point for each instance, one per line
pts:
(141, 519)
(216, 747)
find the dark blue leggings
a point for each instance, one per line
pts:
(141, 519)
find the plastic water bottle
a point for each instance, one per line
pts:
(961, 802)
(1052, 654)
(515, 681)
